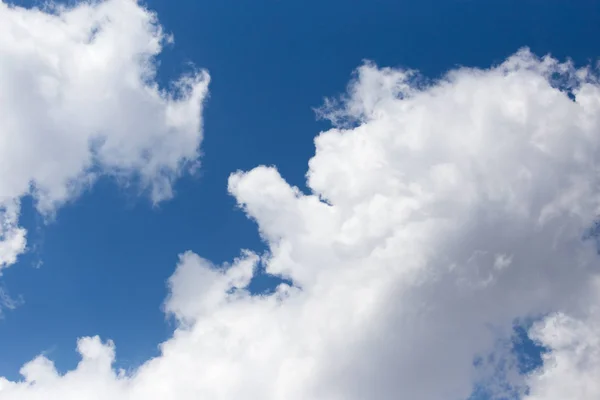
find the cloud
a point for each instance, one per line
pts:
(79, 99)
(572, 365)
(439, 213)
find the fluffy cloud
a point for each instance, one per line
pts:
(439, 213)
(78, 99)
(572, 365)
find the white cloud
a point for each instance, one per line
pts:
(448, 211)
(78, 99)
(572, 365)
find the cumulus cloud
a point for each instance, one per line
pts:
(572, 364)
(439, 213)
(79, 99)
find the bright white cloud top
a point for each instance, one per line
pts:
(79, 99)
(438, 215)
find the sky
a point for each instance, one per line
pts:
(299, 200)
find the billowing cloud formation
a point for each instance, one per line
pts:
(440, 214)
(572, 367)
(78, 99)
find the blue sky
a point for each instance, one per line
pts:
(106, 256)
